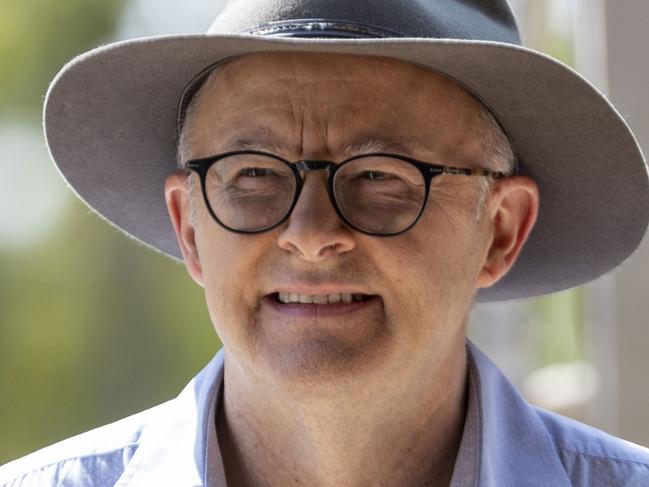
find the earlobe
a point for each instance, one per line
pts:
(512, 208)
(178, 205)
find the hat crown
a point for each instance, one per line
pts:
(488, 20)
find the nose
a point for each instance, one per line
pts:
(314, 231)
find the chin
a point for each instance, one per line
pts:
(322, 359)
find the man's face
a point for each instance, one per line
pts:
(306, 106)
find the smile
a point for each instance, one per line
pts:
(287, 298)
(319, 305)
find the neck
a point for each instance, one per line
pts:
(403, 431)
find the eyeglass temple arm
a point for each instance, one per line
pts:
(466, 171)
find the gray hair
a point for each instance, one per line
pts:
(183, 150)
(499, 152)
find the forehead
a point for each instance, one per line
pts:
(297, 101)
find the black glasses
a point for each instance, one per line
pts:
(379, 194)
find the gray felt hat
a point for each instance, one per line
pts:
(111, 120)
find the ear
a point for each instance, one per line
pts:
(177, 199)
(512, 210)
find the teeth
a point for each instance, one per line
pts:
(319, 298)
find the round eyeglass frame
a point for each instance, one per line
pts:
(428, 171)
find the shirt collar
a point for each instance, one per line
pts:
(174, 442)
(513, 445)
(504, 442)
(467, 463)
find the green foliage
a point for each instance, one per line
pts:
(38, 36)
(93, 327)
(559, 333)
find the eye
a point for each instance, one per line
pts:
(256, 172)
(375, 175)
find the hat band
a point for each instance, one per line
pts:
(320, 28)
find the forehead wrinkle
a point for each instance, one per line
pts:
(318, 128)
(357, 146)
(360, 145)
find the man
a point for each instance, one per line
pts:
(343, 202)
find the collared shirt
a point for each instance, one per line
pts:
(505, 443)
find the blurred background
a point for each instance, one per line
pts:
(94, 327)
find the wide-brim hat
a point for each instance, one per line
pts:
(111, 119)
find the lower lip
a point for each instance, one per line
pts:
(320, 310)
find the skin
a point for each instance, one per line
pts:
(376, 397)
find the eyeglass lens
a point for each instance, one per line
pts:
(376, 194)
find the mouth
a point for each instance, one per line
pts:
(332, 298)
(319, 305)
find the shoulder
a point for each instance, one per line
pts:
(96, 458)
(592, 457)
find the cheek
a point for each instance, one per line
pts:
(433, 266)
(230, 263)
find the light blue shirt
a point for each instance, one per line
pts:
(505, 443)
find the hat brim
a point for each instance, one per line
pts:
(110, 125)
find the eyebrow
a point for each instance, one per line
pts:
(257, 145)
(361, 145)
(364, 145)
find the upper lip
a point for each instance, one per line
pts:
(320, 289)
